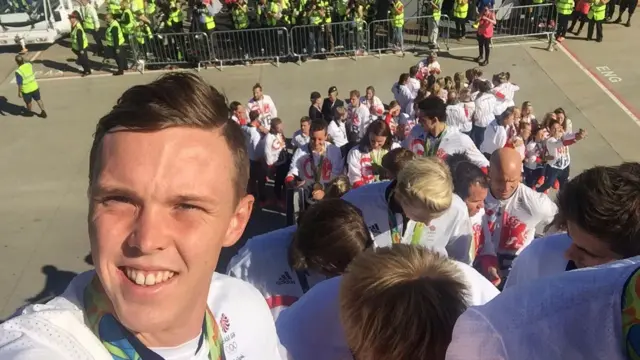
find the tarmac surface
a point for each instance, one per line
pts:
(44, 162)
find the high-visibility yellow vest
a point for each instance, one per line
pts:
(342, 8)
(437, 12)
(565, 7)
(151, 7)
(74, 38)
(397, 18)
(327, 12)
(460, 9)
(240, 17)
(359, 20)
(29, 83)
(175, 17)
(114, 7)
(538, 1)
(109, 39)
(315, 18)
(87, 21)
(128, 29)
(209, 22)
(137, 6)
(274, 8)
(143, 32)
(597, 10)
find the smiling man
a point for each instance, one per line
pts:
(167, 179)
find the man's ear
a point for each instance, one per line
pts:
(239, 220)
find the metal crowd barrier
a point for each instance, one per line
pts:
(412, 37)
(240, 46)
(170, 49)
(335, 39)
(525, 21)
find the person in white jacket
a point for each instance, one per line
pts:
(373, 103)
(597, 209)
(337, 130)
(404, 95)
(264, 105)
(504, 90)
(433, 137)
(315, 165)
(358, 118)
(512, 214)
(496, 133)
(154, 292)
(284, 264)
(486, 110)
(277, 158)
(386, 296)
(586, 314)
(364, 162)
(418, 208)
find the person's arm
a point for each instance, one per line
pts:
(114, 36)
(79, 39)
(293, 168)
(272, 108)
(354, 168)
(270, 154)
(19, 83)
(459, 246)
(543, 207)
(337, 163)
(475, 338)
(474, 154)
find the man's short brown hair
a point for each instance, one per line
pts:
(178, 99)
(401, 302)
(395, 160)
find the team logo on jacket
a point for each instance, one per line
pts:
(224, 323)
(285, 279)
(375, 229)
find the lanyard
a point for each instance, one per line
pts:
(396, 237)
(570, 266)
(428, 149)
(314, 168)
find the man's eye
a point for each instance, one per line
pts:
(188, 207)
(115, 199)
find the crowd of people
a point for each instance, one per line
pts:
(416, 238)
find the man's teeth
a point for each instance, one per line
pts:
(140, 278)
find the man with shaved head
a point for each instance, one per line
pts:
(512, 213)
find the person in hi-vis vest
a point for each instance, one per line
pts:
(79, 42)
(28, 88)
(91, 25)
(596, 17)
(114, 39)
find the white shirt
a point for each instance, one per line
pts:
(299, 139)
(452, 142)
(254, 142)
(505, 93)
(264, 263)
(311, 329)
(332, 164)
(478, 237)
(533, 153)
(575, 315)
(404, 95)
(414, 86)
(495, 137)
(543, 257)
(425, 69)
(510, 224)
(486, 106)
(457, 117)
(449, 234)
(57, 331)
(265, 107)
(559, 149)
(360, 165)
(273, 146)
(407, 123)
(338, 133)
(358, 120)
(375, 106)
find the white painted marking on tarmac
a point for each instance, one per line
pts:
(602, 87)
(609, 74)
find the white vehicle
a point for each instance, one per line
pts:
(35, 21)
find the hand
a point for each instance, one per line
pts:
(518, 142)
(492, 275)
(581, 134)
(318, 195)
(20, 94)
(549, 158)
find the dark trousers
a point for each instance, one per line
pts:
(477, 135)
(120, 57)
(552, 174)
(628, 5)
(483, 47)
(611, 8)
(278, 183)
(257, 180)
(82, 60)
(563, 24)
(460, 26)
(531, 176)
(97, 38)
(575, 17)
(598, 26)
